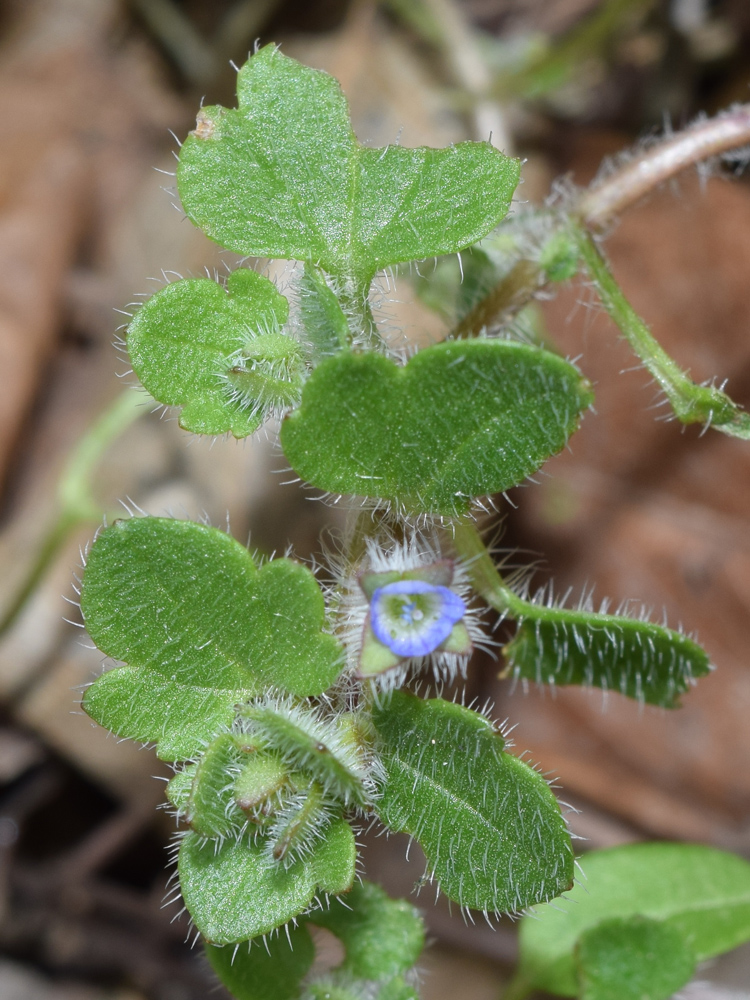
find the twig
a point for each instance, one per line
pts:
(699, 142)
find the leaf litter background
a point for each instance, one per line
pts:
(89, 90)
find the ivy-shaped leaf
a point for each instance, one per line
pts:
(635, 658)
(460, 420)
(284, 176)
(217, 352)
(179, 718)
(206, 629)
(188, 601)
(236, 893)
(489, 825)
(383, 937)
(699, 892)
(265, 970)
(633, 959)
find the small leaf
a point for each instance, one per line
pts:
(284, 176)
(489, 824)
(265, 970)
(188, 602)
(236, 893)
(188, 342)
(325, 325)
(635, 658)
(261, 777)
(179, 718)
(459, 421)
(329, 749)
(633, 959)
(702, 893)
(383, 937)
(211, 809)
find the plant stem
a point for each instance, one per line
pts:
(77, 505)
(637, 177)
(484, 575)
(704, 404)
(510, 295)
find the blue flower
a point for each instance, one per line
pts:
(412, 617)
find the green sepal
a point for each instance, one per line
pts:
(187, 340)
(375, 657)
(459, 421)
(284, 176)
(188, 602)
(180, 718)
(383, 937)
(236, 893)
(489, 825)
(702, 893)
(635, 658)
(632, 958)
(269, 969)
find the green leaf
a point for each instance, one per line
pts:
(188, 602)
(635, 658)
(188, 343)
(633, 959)
(460, 420)
(489, 825)
(179, 718)
(702, 893)
(325, 325)
(236, 893)
(265, 970)
(383, 937)
(284, 176)
(211, 809)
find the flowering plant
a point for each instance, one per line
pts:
(282, 699)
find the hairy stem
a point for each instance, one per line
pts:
(76, 501)
(703, 404)
(484, 575)
(636, 178)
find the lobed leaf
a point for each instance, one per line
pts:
(383, 937)
(272, 969)
(635, 658)
(489, 825)
(180, 718)
(699, 892)
(460, 420)
(236, 893)
(188, 602)
(284, 176)
(189, 340)
(633, 959)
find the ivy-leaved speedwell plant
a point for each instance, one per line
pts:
(283, 703)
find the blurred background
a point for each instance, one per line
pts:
(640, 508)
